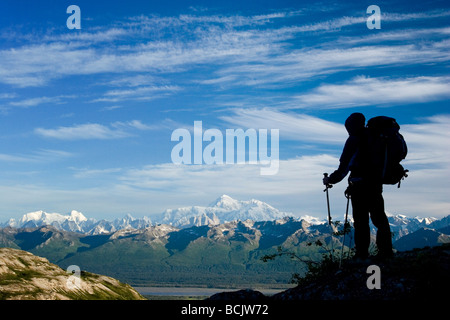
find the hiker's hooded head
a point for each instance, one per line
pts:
(355, 123)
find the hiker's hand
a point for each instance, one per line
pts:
(326, 180)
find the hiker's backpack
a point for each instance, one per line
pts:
(386, 149)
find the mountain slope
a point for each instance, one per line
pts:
(424, 237)
(24, 276)
(402, 225)
(223, 254)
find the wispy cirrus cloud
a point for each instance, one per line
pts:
(32, 102)
(96, 131)
(363, 91)
(236, 48)
(82, 132)
(346, 21)
(427, 142)
(41, 155)
(83, 173)
(301, 65)
(292, 126)
(142, 93)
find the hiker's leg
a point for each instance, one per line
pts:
(361, 222)
(380, 221)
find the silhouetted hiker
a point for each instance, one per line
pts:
(365, 189)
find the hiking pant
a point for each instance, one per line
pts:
(367, 200)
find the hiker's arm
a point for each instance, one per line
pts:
(350, 149)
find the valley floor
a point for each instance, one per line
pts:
(169, 293)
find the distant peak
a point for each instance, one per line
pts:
(35, 215)
(312, 220)
(77, 215)
(128, 216)
(226, 202)
(225, 197)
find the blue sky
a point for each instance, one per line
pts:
(86, 115)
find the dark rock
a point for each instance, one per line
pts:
(245, 294)
(418, 274)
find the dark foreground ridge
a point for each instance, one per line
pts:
(417, 274)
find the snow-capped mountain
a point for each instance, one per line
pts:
(40, 217)
(127, 222)
(402, 225)
(224, 209)
(76, 222)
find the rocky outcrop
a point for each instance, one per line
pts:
(420, 274)
(24, 276)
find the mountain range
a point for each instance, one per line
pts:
(223, 209)
(225, 253)
(222, 243)
(76, 222)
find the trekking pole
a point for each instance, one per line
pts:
(327, 186)
(347, 195)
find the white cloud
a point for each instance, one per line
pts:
(334, 24)
(138, 93)
(362, 91)
(116, 130)
(32, 102)
(82, 173)
(297, 187)
(133, 81)
(14, 158)
(82, 132)
(293, 187)
(391, 16)
(84, 38)
(427, 143)
(8, 95)
(297, 127)
(397, 35)
(340, 22)
(41, 155)
(285, 69)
